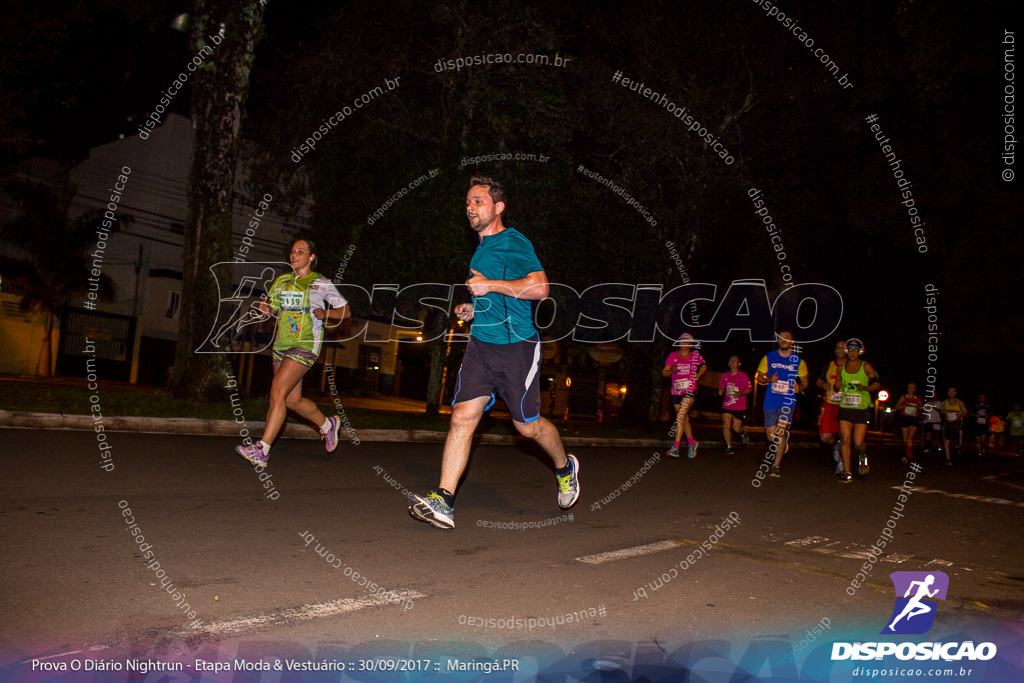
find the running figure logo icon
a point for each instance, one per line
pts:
(914, 613)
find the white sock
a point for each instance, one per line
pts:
(265, 446)
(326, 426)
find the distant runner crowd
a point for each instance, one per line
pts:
(848, 383)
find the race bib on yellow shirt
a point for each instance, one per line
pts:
(290, 301)
(851, 401)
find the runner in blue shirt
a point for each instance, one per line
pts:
(783, 374)
(503, 355)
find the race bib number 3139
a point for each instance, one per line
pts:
(290, 301)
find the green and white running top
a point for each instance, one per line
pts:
(294, 299)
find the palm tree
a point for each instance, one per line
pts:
(45, 258)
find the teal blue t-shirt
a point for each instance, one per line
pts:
(500, 319)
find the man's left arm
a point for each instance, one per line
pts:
(533, 287)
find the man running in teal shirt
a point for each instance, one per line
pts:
(503, 355)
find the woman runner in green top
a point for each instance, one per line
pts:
(856, 379)
(303, 300)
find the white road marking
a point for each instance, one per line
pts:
(899, 557)
(857, 555)
(982, 499)
(304, 613)
(629, 552)
(62, 654)
(278, 617)
(852, 551)
(810, 540)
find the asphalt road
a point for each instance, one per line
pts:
(75, 579)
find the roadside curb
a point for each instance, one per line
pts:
(198, 427)
(194, 426)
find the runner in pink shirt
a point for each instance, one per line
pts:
(734, 386)
(686, 367)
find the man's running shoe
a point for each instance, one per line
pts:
(743, 437)
(691, 451)
(330, 437)
(673, 452)
(569, 485)
(845, 477)
(862, 463)
(253, 454)
(730, 450)
(433, 510)
(775, 472)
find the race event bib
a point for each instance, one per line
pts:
(835, 396)
(982, 421)
(851, 401)
(952, 417)
(780, 387)
(910, 410)
(290, 301)
(682, 386)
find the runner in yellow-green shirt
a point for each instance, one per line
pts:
(857, 379)
(954, 412)
(303, 301)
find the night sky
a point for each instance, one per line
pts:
(933, 73)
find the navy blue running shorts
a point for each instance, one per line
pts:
(510, 370)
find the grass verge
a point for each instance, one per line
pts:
(41, 397)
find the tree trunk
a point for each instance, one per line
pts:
(225, 33)
(654, 407)
(438, 359)
(46, 352)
